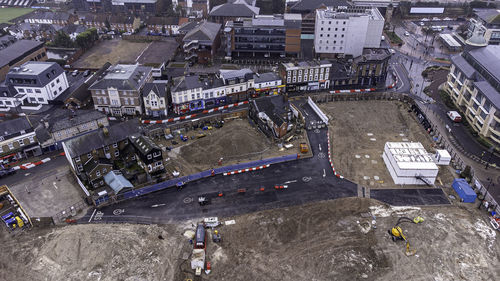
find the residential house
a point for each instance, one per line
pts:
(97, 21)
(17, 141)
(272, 115)
(306, 75)
(77, 123)
(9, 97)
(268, 83)
(20, 52)
(366, 71)
(155, 99)
(94, 171)
(35, 31)
(6, 41)
(474, 86)
(119, 92)
(158, 54)
(194, 8)
(149, 155)
(202, 42)
(232, 10)
(107, 142)
(263, 36)
(124, 23)
(187, 93)
(167, 25)
(38, 82)
(49, 17)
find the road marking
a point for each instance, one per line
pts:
(319, 145)
(118, 212)
(54, 183)
(324, 173)
(157, 205)
(287, 182)
(93, 213)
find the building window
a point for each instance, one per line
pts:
(115, 145)
(106, 148)
(80, 167)
(98, 174)
(29, 91)
(32, 139)
(52, 84)
(38, 91)
(117, 153)
(60, 88)
(104, 170)
(21, 90)
(11, 146)
(321, 35)
(57, 81)
(40, 99)
(149, 157)
(156, 154)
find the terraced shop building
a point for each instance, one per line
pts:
(474, 86)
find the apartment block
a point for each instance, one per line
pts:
(306, 75)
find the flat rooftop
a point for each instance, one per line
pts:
(411, 155)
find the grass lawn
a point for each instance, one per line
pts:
(393, 37)
(7, 14)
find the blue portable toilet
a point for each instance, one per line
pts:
(463, 189)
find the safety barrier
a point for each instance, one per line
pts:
(352, 91)
(186, 117)
(30, 165)
(318, 111)
(208, 173)
(247, 170)
(330, 156)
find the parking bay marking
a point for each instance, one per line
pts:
(54, 183)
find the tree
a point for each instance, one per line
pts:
(163, 30)
(87, 38)
(61, 39)
(107, 24)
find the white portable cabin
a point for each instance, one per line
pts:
(442, 157)
(409, 163)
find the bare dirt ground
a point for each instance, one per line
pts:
(359, 131)
(236, 142)
(112, 51)
(332, 240)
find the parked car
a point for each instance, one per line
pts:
(407, 33)
(74, 73)
(86, 73)
(454, 116)
(7, 172)
(392, 51)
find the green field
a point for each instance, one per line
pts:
(7, 14)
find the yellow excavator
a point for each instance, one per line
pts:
(396, 233)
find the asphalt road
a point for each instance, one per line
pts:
(307, 180)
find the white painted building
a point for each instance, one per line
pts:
(347, 30)
(155, 98)
(37, 82)
(409, 163)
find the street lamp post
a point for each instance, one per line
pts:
(490, 183)
(489, 158)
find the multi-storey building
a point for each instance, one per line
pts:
(306, 75)
(149, 155)
(155, 99)
(195, 92)
(201, 42)
(264, 36)
(119, 6)
(489, 20)
(119, 91)
(474, 86)
(38, 82)
(366, 71)
(346, 31)
(17, 140)
(307, 8)
(268, 83)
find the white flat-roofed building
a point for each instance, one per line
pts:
(409, 163)
(347, 30)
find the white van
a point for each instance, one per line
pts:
(454, 116)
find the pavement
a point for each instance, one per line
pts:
(307, 180)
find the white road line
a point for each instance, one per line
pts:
(324, 173)
(287, 182)
(399, 79)
(319, 145)
(54, 183)
(93, 213)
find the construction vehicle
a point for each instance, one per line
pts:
(304, 148)
(396, 233)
